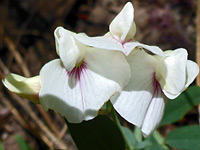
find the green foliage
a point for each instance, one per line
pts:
(130, 138)
(22, 143)
(1, 146)
(98, 134)
(156, 142)
(185, 138)
(177, 108)
(138, 134)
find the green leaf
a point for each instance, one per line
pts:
(1, 146)
(158, 137)
(138, 134)
(185, 138)
(98, 134)
(154, 144)
(143, 145)
(22, 143)
(130, 138)
(177, 108)
(135, 144)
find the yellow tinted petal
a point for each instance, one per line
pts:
(25, 87)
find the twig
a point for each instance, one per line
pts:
(63, 131)
(17, 56)
(48, 120)
(198, 46)
(3, 67)
(41, 125)
(20, 119)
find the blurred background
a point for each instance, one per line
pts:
(27, 43)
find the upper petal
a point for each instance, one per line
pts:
(68, 48)
(137, 99)
(171, 72)
(102, 42)
(108, 42)
(26, 87)
(79, 94)
(123, 26)
(153, 49)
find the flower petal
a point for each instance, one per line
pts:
(69, 49)
(123, 26)
(25, 87)
(133, 102)
(109, 64)
(110, 43)
(153, 49)
(154, 114)
(192, 72)
(79, 94)
(171, 72)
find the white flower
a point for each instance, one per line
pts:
(120, 37)
(142, 101)
(82, 80)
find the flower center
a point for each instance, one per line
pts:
(77, 71)
(122, 42)
(156, 86)
(79, 64)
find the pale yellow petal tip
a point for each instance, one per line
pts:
(25, 87)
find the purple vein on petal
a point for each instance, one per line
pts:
(76, 74)
(122, 43)
(156, 90)
(156, 86)
(86, 75)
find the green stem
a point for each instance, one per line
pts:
(158, 137)
(116, 121)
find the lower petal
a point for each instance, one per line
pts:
(154, 114)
